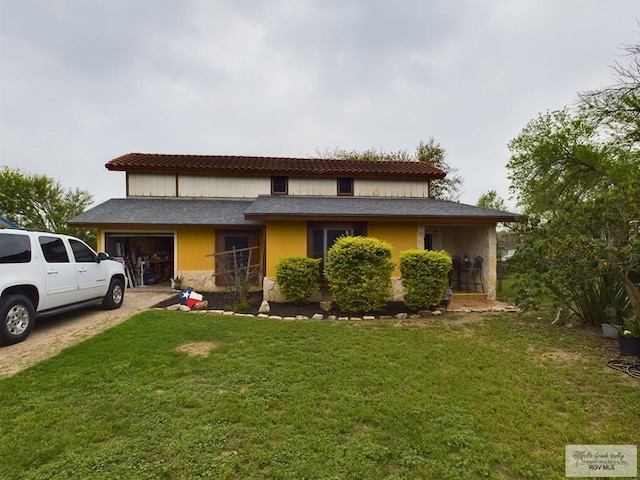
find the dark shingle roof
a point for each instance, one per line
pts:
(290, 207)
(243, 165)
(165, 212)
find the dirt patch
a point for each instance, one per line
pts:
(51, 335)
(556, 355)
(198, 349)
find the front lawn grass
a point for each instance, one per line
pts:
(327, 400)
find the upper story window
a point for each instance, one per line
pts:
(279, 185)
(345, 186)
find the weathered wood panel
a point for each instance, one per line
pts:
(223, 187)
(151, 185)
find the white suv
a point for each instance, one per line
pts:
(46, 273)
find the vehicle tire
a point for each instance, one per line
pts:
(17, 317)
(115, 295)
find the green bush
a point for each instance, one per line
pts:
(424, 276)
(359, 273)
(297, 277)
(601, 300)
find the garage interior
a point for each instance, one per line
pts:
(149, 257)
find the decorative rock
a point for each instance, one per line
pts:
(414, 316)
(289, 318)
(333, 317)
(275, 317)
(302, 317)
(228, 312)
(317, 316)
(217, 312)
(368, 317)
(401, 316)
(343, 318)
(355, 318)
(175, 306)
(264, 307)
(184, 308)
(436, 312)
(326, 306)
(263, 315)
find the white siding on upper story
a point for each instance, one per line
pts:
(151, 185)
(390, 188)
(204, 186)
(313, 186)
(223, 187)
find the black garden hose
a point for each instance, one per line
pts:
(630, 368)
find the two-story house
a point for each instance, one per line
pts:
(183, 212)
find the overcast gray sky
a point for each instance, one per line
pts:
(85, 81)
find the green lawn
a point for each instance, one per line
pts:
(327, 400)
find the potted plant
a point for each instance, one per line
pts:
(629, 339)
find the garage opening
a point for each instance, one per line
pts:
(149, 257)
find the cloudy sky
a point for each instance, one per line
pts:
(85, 81)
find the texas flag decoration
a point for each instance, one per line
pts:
(190, 297)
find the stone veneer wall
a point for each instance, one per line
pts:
(204, 281)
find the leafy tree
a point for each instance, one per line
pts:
(37, 202)
(491, 199)
(576, 174)
(618, 106)
(447, 188)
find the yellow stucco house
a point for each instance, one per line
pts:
(184, 214)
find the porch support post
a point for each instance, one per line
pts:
(491, 263)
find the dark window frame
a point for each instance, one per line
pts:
(253, 239)
(313, 251)
(274, 183)
(342, 183)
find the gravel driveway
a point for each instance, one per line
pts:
(51, 335)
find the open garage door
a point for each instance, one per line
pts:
(150, 257)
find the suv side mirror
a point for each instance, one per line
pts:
(102, 256)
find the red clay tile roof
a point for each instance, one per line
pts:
(230, 165)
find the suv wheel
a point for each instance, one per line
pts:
(115, 295)
(17, 317)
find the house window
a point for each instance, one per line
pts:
(345, 186)
(428, 241)
(321, 237)
(279, 185)
(237, 257)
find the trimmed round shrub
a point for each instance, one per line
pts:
(297, 277)
(359, 273)
(424, 276)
